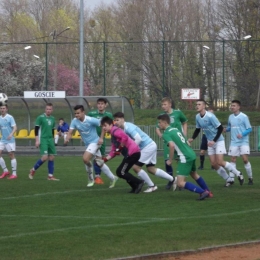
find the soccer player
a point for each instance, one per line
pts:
(212, 128)
(203, 147)
(44, 139)
(179, 121)
(99, 113)
(148, 153)
(187, 158)
(7, 142)
(239, 126)
(62, 130)
(86, 126)
(122, 143)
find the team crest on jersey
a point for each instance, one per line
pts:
(172, 119)
(49, 122)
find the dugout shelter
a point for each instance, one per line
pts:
(26, 110)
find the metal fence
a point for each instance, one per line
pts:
(254, 138)
(142, 71)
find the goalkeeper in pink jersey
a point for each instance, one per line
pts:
(123, 144)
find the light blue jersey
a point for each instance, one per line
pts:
(6, 125)
(133, 130)
(209, 124)
(87, 129)
(238, 124)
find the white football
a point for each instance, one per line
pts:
(3, 99)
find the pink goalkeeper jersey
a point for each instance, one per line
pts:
(124, 140)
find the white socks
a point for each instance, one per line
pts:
(231, 168)
(144, 176)
(3, 165)
(162, 174)
(56, 139)
(222, 172)
(107, 171)
(248, 170)
(14, 166)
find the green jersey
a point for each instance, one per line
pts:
(177, 118)
(184, 151)
(98, 115)
(46, 124)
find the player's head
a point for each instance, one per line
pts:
(101, 104)
(4, 109)
(119, 119)
(106, 124)
(166, 104)
(79, 112)
(200, 105)
(235, 106)
(48, 109)
(61, 121)
(163, 121)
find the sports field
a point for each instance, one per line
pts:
(43, 219)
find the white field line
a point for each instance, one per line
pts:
(55, 193)
(115, 224)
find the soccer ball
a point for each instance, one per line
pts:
(3, 99)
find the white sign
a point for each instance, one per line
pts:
(44, 94)
(190, 93)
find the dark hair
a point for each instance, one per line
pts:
(49, 105)
(164, 117)
(102, 100)
(106, 120)
(236, 101)
(79, 107)
(119, 115)
(61, 119)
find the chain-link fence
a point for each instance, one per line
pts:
(142, 71)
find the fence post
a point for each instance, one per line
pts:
(104, 68)
(163, 72)
(258, 138)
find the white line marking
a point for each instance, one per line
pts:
(116, 224)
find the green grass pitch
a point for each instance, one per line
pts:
(43, 219)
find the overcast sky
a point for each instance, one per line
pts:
(93, 3)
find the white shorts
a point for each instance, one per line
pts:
(238, 150)
(218, 148)
(10, 147)
(149, 154)
(94, 149)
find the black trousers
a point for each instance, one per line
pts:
(123, 169)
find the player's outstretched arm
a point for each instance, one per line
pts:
(69, 136)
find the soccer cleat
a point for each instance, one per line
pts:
(204, 195)
(52, 178)
(151, 189)
(113, 183)
(200, 168)
(210, 194)
(12, 177)
(90, 183)
(241, 178)
(139, 187)
(228, 183)
(174, 185)
(169, 185)
(98, 180)
(4, 174)
(132, 190)
(32, 172)
(250, 181)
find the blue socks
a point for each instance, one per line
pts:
(202, 183)
(51, 167)
(191, 187)
(38, 164)
(97, 169)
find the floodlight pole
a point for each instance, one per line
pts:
(81, 49)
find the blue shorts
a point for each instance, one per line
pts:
(204, 143)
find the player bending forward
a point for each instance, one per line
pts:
(87, 128)
(122, 143)
(187, 158)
